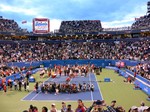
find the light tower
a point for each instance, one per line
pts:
(148, 7)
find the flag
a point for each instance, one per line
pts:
(23, 22)
(137, 19)
(142, 17)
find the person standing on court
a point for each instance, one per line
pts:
(36, 87)
(20, 84)
(15, 85)
(25, 85)
(5, 88)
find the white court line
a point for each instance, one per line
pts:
(35, 96)
(32, 92)
(26, 96)
(98, 87)
(57, 100)
(40, 91)
(90, 85)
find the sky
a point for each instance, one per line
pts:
(111, 13)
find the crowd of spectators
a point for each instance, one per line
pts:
(142, 69)
(142, 22)
(8, 71)
(80, 26)
(97, 106)
(137, 50)
(7, 25)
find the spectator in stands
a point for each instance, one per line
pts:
(80, 26)
(25, 111)
(87, 50)
(142, 107)
(97, 106)
(133, 109)
(147, 109)
(64, 108)
(7, 25)
(53, 108)
(142, 69)
(142, 22)
(120, 109)
(44, 109)
(31, 108)
(35, 109)
(81, 107)
(113, 103)
(69, 109)
(84, 50)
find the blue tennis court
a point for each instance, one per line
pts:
(87, 95)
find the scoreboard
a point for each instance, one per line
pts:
(41, 25)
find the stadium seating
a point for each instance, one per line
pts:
(8, 25)
(86, 50)
(80, 26)
(142, 22)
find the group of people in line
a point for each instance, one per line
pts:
(17, 83)
(65, 88)
(96, 106)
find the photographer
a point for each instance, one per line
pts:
(97, 106)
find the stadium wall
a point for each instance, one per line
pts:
(96, 62)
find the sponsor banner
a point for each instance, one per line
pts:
(113, 68)
(120, 64)
(41, 25)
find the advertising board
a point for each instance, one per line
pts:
(41, 25)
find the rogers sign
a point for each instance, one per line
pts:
(41, 25)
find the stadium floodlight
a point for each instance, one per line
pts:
(148, 7)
